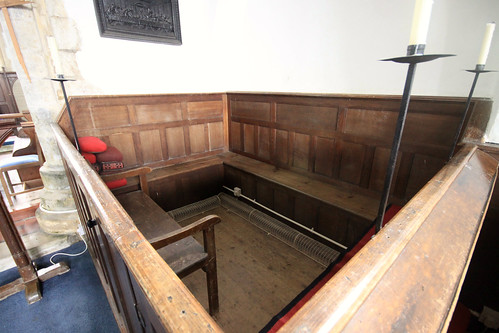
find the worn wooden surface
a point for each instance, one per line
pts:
(408, 277)
(348, 200)
(140, 280)
(257, 274)
(347, 138)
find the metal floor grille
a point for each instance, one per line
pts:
(306, 245)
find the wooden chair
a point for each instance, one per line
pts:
(26, 162)
(174, 243)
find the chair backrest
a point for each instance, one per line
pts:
(140, 172)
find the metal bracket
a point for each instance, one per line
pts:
(91, 223)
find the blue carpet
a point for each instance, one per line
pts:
(72, 302)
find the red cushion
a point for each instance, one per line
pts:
(116, 183)
(89, 157)
(91, 144)
(112, 154)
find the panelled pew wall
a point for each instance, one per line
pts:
(165, 130)
(347, 139)
(339, 139)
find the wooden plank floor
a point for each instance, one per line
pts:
(258, 275)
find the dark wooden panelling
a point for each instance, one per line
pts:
(264, 143)
(284, 201)
(248, 185)
(306, 210)
(438, 129)
(341, 226)
(292, 202)
(379, 125)
(158, 113)
(251, 110)
(281, 147)
(235, 136)
(265, 193)
(378, 171)
(197, 138)
(301, 150)
(125, 143)
(352, 159)
(216, 132)
(175, 141)
(311, 118)
(324, 156)
(184, 188)
(150, 142)
(202, 110)
(249, 139)
(423, 169)
(360, 130)
(156, 129)
(110, 116)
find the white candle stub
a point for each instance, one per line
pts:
(420, 22)
(487, 40)
(54, 52)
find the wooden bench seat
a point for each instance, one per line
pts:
(152, 221)
(347, 199)
(173, 243)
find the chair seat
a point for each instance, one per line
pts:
(18, 160)
(153, 221)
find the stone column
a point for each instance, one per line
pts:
(32, 25)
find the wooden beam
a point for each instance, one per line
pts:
(13, 34)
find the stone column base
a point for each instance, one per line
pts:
(57, 212)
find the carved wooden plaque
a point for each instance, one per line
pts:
(154, 21)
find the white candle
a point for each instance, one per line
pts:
(487, 40)
(54, 52)
(420, 22)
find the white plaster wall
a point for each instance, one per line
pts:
(320, 46)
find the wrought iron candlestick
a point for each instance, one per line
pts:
(415, 55)
(478, 70)
(60, 78)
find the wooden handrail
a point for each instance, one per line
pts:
(408, 277)
(175, 306)
(191, 229)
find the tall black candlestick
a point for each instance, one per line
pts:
(415, 55)
(60, 78)
(478, 70)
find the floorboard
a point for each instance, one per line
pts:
(258, 275)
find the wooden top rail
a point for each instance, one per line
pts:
(176, 307)
(408, 277)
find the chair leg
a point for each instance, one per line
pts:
(9, 182)
(211, 270)
(212, 283)
(6, 188)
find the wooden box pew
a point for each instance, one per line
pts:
(144, 293)
(411, 272)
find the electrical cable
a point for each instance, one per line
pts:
(70, 254)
